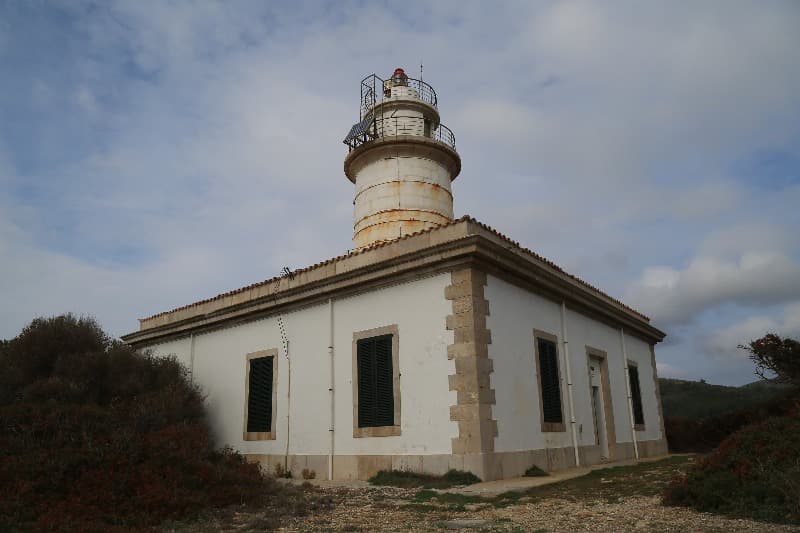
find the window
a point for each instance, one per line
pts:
(376, 383)
(259, 420)
(375, 394)
(549, 382)
(636, 396)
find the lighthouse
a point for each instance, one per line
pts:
(402, 160)
(396, 362)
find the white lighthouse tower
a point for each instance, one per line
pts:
(402, 160)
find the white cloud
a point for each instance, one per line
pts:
(723, 343)
(660, 278)
(746, 264)
(730, 241)
(602, 135)
(86, 100)
(677, 296)
(669, 371)
(706, 200)
(37, 282)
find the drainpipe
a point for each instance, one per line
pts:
(333, 397)
(191, 357)
(572, 421)
(628, 391)
(288, 404)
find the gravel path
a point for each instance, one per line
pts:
(618, 499)
(389, 509)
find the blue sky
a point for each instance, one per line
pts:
(156, 153)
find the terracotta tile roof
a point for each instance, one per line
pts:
(555, 266)
(465, 218)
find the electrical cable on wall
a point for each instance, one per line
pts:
(285, 341)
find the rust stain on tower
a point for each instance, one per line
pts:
(402, 160)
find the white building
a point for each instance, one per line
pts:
(435, 344)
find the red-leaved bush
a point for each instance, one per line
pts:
(703, 435)
(755, 472)
(97, 437)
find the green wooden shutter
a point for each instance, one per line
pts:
(636, 395)
(375, 382)
(384, 382)
(548, 377)
(366, 385)
(259, 401)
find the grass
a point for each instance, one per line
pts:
(450, 498)
(643, 479)
(611, 485)
(421, 507)
(431, 500)
(500, 525)
(410, 480)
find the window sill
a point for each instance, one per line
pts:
(379, 431)
(550, 427)
(638, 427)
(266, 435)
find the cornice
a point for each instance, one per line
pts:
(405, 144)
(463, 243)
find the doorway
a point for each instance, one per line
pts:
(600, 396)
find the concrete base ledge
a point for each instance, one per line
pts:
(488, 466)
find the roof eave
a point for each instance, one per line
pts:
(470, 243)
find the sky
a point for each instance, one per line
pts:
(155, 153)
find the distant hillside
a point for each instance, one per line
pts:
(696, 400)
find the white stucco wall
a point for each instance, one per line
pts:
(639, 351)
(180, 348)
(514, 314)
(582, 332)
(419, 310)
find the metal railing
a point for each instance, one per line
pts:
(386, 127)
(372, 92)
(425, 91)
(445, 135)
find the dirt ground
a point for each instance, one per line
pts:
(378, 511)
(608, 500)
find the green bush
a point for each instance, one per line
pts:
(535, 471)
(460, 477)
(405, 479)
(753, 473)
(98, 437)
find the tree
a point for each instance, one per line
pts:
(775, 355)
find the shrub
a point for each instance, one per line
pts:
(754, 473)
(702, 436)
(460, 477)
(98, 437)
(405, 479)
(535, 471)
